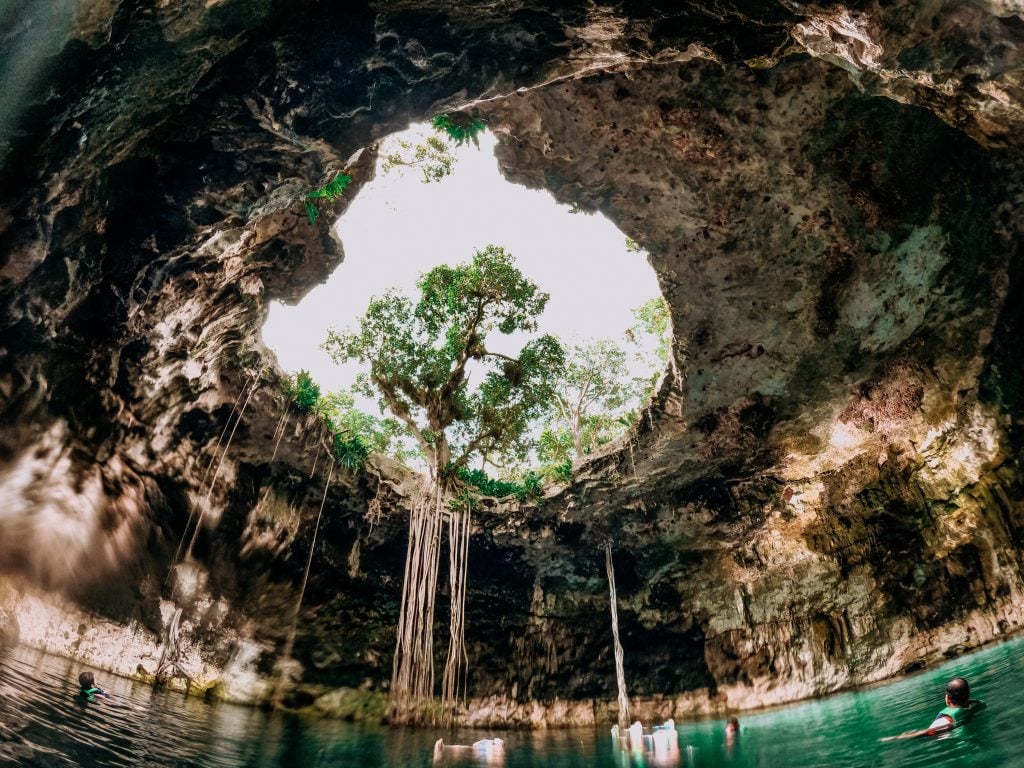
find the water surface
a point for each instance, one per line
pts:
(44, 723)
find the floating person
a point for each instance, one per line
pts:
(665, 743)
(489, 751)
(636, 737)
(959, 708)
(732, 731)
(89, 689)
(661, 745)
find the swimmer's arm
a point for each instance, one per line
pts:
(907, 735)
(942, 724)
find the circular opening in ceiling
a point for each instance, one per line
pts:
(436, 202)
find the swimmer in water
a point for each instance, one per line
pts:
(732, 728)
(959, 707)
(490, 751)
(89, 689)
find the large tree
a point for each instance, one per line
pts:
(420, 356)
(431, 364)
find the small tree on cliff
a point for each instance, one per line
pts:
(653, 324)
(593, 384)
(420, 356)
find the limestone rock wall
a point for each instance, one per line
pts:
(825, 491)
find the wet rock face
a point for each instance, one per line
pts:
(825, 491)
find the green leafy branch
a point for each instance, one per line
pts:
(460, 128)
(432, 158)
(330, 192)
(529, 486)
(303, 391)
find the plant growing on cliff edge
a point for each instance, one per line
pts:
(303, 391)
(528, 486)
(459, 127)
(563, 471)
(419, 355)
(349, 448)
(376, 434)
(349, 451)
(329, 192)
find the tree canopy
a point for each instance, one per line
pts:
(421, 354)
(433, 156)
(594, 384)
(379, 435)
(653, 320)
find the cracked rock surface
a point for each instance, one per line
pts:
(825, 491)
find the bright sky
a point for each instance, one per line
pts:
(398, 227)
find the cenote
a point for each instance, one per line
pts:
(45, 724)
(805, 514)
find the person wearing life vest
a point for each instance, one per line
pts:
(89, 689)
(959, 707)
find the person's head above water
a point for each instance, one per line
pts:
(958, 692)
(732, 726)
(86, 680)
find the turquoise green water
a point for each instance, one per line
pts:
(43, 723)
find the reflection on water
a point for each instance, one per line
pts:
(43, 723)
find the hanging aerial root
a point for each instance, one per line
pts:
(216, 474)
(412, 681)
(282, 427)
(620, 676)
(319, 446)
(289, 645)
(456, 668)
(412, 685)
(206, 474)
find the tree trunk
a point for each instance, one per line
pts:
(577, 438)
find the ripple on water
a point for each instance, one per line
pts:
(44, 723)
